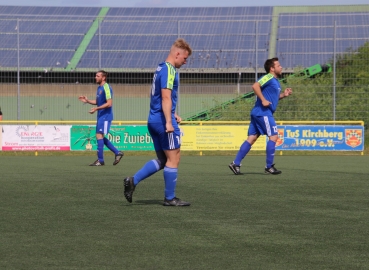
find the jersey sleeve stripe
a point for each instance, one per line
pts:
(107, 91)
(263, 80)
(171, 76)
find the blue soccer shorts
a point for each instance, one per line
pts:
(103, 126)
(163, 140)
(262, 125)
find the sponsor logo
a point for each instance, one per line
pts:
(21, 130)
(353, 137)
(24, 132)
(280, 139)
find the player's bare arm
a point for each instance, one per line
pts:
(257, 90)
(286, 93)
(84, 99)
(166, 95)
(108, 104)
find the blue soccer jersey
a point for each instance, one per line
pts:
(165, 77)
(104, 93)
(271, 88)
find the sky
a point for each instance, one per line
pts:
(175, 3)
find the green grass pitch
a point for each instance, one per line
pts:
(59, 213)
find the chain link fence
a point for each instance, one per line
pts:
(46, 63)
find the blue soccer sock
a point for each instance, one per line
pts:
(110, 146)
(170, 181)
(147, 170)
(244, 149)
(100, 150)
(270, 150)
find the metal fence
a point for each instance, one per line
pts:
(47, 63)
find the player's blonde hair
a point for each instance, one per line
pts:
(182, 44)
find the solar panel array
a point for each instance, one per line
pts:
(139, 38)
(216, 44)
(48, 36)
(310, 38)
(133, 37)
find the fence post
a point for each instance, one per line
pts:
(179, 85)
(334, 70)
(99, 26)
(18, 73)
(256, 51)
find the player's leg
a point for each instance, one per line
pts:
(109, 145)
(171, 172)
(171, 145)
(151, 166)
(253, 135)
(271, 130)
(100, 143)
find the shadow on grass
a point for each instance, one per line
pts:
(145, 202)
(249, 173)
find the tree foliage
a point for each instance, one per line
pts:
(319, 98)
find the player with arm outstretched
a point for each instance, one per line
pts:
(104, 109)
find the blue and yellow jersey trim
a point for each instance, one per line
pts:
(107, 91)
(171, 76)
(265, 79)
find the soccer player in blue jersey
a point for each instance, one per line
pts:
(268, 92)
(163, 126)
(104, 108)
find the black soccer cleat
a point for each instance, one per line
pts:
(118, 157)
(175, 202)
(235, 168)
(272, 170)
(129, 187)
(97, 163)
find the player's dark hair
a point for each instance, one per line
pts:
(103, 73)
(269, 63)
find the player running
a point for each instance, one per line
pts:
(268, 92)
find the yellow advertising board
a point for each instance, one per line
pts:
(1, 136)
(202, 138)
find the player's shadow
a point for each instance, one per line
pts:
(146, 202)
(247, 173)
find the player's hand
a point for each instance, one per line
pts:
(169, 128)
(93, 110)
(287, 92)
(266, 103)
(83, 99)
(178, 119)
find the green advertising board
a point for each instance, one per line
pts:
(130, 138)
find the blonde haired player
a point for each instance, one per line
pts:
(163, 126)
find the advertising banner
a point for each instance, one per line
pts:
(1, 137)
(130, 138)
(137, 138)
(199, 138)
(194, 138)
(35, 138)
(321, 138)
